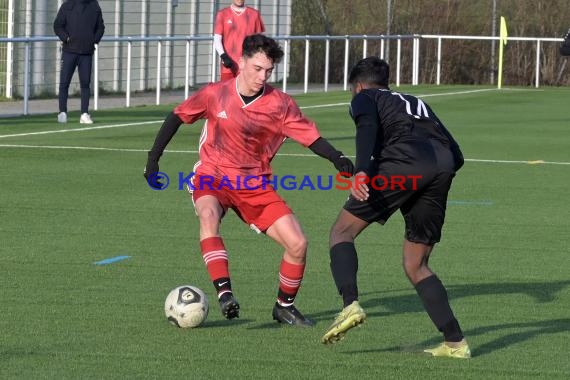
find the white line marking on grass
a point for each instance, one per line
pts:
(535, 162)
(467, 159)
(458, 92)
(531, 162)
(90, 148)
(74, 148)
(324, 105)
(81, 129)
(523, 89)
(419, 96)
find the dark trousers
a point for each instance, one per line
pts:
(84, 64)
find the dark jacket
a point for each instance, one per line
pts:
(79, 25)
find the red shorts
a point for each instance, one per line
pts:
(259, 208)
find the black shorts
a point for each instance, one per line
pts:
(414, 177)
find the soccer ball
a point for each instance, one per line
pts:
(186, 306)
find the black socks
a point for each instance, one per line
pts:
(344, 266)
(436, 303)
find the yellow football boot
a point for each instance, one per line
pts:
(461, 351)
(351, 316)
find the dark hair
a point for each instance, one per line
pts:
(370, 70)
(259, 43)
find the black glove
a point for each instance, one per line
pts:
(227, 61)
(150, 171)
(344, 165)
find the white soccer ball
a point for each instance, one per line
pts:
(186, 306)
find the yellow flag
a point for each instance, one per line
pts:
(504, 33)
(503, 38)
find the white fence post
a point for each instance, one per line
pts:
(117, 47)
(399, 50)
(438, 61)
(306, 81)
(128, 90)
(346, 52)
(537, 78)
(26, 78)
(327, 62)
(96, 79)
(9, 50)
(416, 62)
(143, 57)
(187, 70)
(285, 64)
(158, 63)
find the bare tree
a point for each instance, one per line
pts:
(465, 61)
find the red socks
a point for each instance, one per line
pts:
(290, 277)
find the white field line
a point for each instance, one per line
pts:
(419, 96)
(84, 129)
(536, 162)
(530, 162)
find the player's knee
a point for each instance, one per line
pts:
(412, 268)
(208, 216)
(340, 233)
(298, 247)
(416, 270)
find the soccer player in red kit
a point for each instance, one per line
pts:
(232, 25)
(247, 121)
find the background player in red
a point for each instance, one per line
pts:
(232, 25)
(247, 121)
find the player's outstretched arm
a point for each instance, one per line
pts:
(167, 131)
(321, 147)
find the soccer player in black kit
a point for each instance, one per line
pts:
(401, 140)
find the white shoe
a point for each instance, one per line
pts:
(62, 117)
(85, 119)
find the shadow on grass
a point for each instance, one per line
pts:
(271, 325)
(531, 330)
(541, 292)
(523, 332)
(226, 323)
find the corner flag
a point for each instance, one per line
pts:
(503, 41)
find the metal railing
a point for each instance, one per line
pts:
(537, 40)
(210, 61)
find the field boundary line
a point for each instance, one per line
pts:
(419, 96)
(80, 129)
(479, 160)
(83, 129)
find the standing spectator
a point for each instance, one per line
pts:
(232, 25)
(79, 25)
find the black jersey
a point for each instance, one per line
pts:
(384, 117)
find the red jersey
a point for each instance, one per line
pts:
(234, 27)
(241, 139)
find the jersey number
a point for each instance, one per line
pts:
(421, 109)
